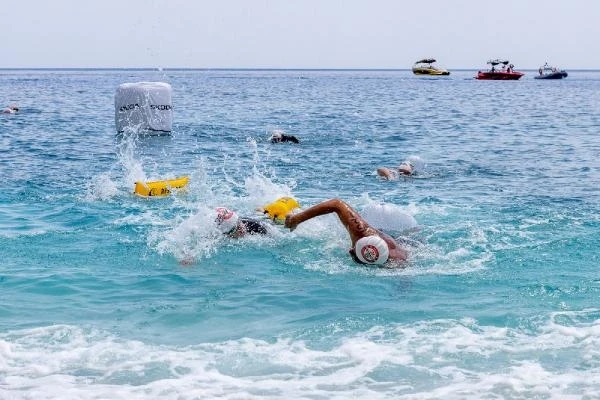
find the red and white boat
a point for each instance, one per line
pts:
(500, 70)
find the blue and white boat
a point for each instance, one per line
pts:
(548, 72)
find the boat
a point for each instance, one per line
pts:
(160, 188)
(548, 72)
(500, 70)
(426, 67)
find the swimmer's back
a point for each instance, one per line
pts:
(253, 227)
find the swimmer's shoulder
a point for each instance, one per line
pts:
(290, 138)
(253, 226)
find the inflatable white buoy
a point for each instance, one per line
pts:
(388, 218)
(144, 106)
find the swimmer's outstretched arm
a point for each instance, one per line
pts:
(355, 224)
(386, 173)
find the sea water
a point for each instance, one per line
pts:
(107, 295)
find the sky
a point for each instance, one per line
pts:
(346, 34)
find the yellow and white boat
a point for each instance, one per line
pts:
(426, 67)
(160, 188)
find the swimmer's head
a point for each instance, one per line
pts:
(372, 250)
(12, 109)
(406, 168)
(277, 135)
(227, 220)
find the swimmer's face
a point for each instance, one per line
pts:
(405, 168)
(276, 136)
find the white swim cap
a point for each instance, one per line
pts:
(226, 220)
(277, 134)
(372, 250)
(417, 163)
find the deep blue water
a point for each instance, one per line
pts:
(500, 300)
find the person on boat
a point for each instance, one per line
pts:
(369, 245)
(234, 226)
(12, 109)
(279, 136)
(409, 167)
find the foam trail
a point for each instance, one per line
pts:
(101, 187)
(105, 186)
(195, 237)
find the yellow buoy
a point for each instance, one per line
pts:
(160, 188)
(280, 208)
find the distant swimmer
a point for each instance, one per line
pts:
(413, 165)
(369, 245)
(279, 136)
(232, 225)
(12, 109)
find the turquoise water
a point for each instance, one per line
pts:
(500, 300)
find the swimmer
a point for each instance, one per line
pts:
(10, 110)
(279, 136)
(409, 167)
(230, 224)
(369, 245)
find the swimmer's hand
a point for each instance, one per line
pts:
(290, 222)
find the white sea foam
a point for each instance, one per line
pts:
(130, 162)
(102, 187)
(451, 359)
(106, 185)
(193, 235)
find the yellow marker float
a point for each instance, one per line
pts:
(280, 208)
(160, 188)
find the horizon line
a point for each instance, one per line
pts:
(160, 69)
